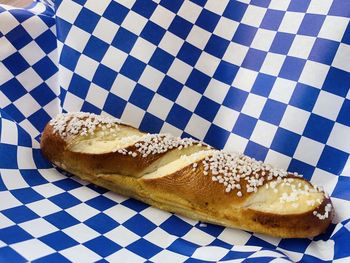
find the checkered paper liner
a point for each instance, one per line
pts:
(267, 78)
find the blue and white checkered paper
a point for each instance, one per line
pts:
(267, 78)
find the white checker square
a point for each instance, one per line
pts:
(51, 175)
(5, 222)
(188, 98)
(234, 236)
(254, 105)
(7, 22)
(279, 4)
(343, 212)
(294, 119)
(327, 180)
(72, 103)
(179, 71)
(320, 250)
(48, 190)
(272, 64)
(4, 101)
(132, 115)
(301, 46)
(126, 255)
(216, 90)
(160, 106)
(207, 63)
(328, 105)
(35, 26)
(340, 137)
(218, 7)
(308, 151)
(168, 128)
(8, 201)
(253, 15)
(263, 39)
(122, 236)
(226, 118)
(7, 48)
(27, 105)
(282, 90)
(171, 43)
(134, 22)
(226, 28)
(235, 143)
(30, 79)
(199, 237)
(8, 132)
(346, 170)
(120, 213)
(81, 233)
(5, 74)
(127, 3)
(86, 67)
(32, 249)
(235, 53)
(151, 78)
(277, 159)
(168, 256)
(13, 179)
(105, 29)
(123, 87)
(314, 74)
(38, 227)
(333, 28)
(69, 10)
(83, 193)
(82, 212)
(43, 207)
(245, 79)
(96, 95)
(25, 158)
(198, 37)
(29, 128)
(197, 127)
(209, 253)
(319, 7)
(32, 53)
(80, 253)
(77, 38)
(155, 215)
(98, 9)
(189, 11)
(65, 76)
(340, 60)
(160, 238)
(143, 50)
(162, 17)
(291, 22)
(263, 133)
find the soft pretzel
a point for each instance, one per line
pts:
(186, 176)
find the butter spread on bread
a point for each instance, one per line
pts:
(186, 176)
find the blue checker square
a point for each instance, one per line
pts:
(161, 60)
(207, 108)
(88, 107)
(104, 77)
(235, 10)
(332, 160)
(87, 20)
(69, 57)
(226, 72)
(19, 37)
(141, 96)
(178, 116)
(13, 89)
(299, 6)
(216, 136)
(153, 33)
(292, 68)
(183, 247)
(8, 156)
(273, 111)
(114, 105)
(39, 119)
(317, 52)
(344, 113)
(14, 234)
(311, 24)
(95, 48)
(216, 46)
(102, 246)
(304, 97)
(282, 43)
(116, 12)
(318, 128)
(67, 184)
(8, 255)
(272, 19)
(33, 177)
(139, 225)
(15, 63)
(55, 257)
(26, 195)
(151, 123)
(180, 27)
(198, 81)
(207, 20)
(172, 5)
(181, 228)
(144, 248)
(263, 84)
(338, 8)
(170, 88)
(47, 41)
(254, 59)
(255, 150)
(244, 125)
(19, 214)
(244, 34)
(294, 244)
(337, 82)
(235, 99)
(189, 53)
(64, 29)
(58, 240)
(346, 36)
(341, 190)
(285, 142)
(144, 8)
(132, 68)
(45, 68)
(124, 40)
(200, 2)
(14, 112)
(43, 94)
(40, 161)
(79, 86)
(101, 223)
(135, 205)
(64, 200)
(101, 203)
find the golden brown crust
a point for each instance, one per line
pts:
(186, 191)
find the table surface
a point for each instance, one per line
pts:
(18, 3)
